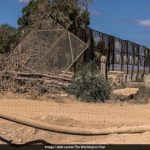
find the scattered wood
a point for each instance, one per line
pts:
(34, 84)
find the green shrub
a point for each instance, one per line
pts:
(89, 85)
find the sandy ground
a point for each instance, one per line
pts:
(71, 113)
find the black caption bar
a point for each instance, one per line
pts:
(74, 147)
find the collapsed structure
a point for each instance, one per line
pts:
(48, 49)
(41, 62)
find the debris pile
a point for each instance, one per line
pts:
(35, 84)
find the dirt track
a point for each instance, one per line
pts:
(74, 114)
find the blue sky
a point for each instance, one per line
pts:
(10, 10)
(127, 19)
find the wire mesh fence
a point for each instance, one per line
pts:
(47, 49)
(131, 58)
(50, 49)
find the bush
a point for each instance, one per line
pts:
(143, 95)
(90, 85)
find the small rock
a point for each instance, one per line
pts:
(126, 92)
(147, 78)
(116, 77)
(64, 95)
(35, 131)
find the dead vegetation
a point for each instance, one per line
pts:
(35, 85)
(143, 96)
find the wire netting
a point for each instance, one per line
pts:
(47, 49)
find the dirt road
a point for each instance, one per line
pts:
(74, 114)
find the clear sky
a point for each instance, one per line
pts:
(127, 19)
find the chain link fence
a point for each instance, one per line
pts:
(47, 49)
